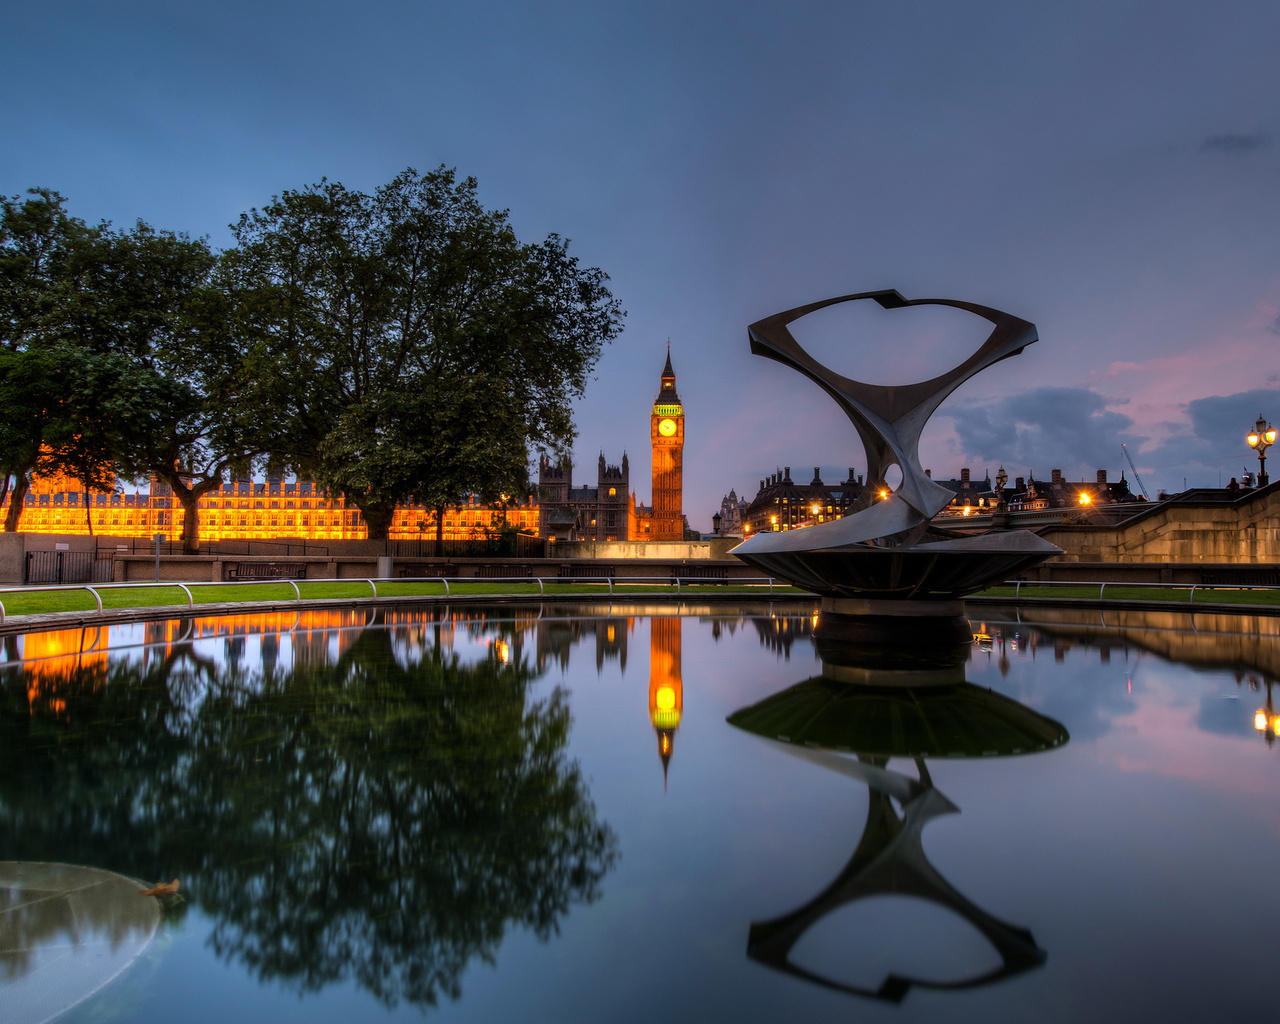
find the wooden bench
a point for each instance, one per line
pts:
(710, 573)
(1242, 577)
(268, 571)
(428, 570)
(502, 571)
(582, 572)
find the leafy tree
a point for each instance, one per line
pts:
(407, 343)
(42, 258)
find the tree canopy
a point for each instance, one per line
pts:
(407, 343)
(390, 346)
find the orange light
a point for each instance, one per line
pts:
(1253, 440)
(665, 698)
(1260, 721)
(1085, 499)
(1270, 436)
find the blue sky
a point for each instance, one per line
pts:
(1109, 171)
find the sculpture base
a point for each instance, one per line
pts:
(869, 621)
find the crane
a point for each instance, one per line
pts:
(1142, 488)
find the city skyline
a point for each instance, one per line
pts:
(1107, 172)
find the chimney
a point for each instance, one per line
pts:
(762, 485)
(1102, 477)
(964, 476)
(786, 474)
(1019, 484)
(1057, 476)
(817, 478)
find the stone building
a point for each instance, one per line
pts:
(602, 512)
(782, 504)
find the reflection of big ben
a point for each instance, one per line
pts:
(666, 688)
(666, 433)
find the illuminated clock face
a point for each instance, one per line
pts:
(667, 427)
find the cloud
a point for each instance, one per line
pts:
(1236, 142)
(1213, 444)
(1048, 428)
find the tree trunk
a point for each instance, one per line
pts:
(440, 532)
(88, 512)
(377, 519)
(189, 499)
(4, 487)
(17, 497)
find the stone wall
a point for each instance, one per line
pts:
(1245, 531)
(673, 550)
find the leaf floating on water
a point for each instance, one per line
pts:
(163, 889)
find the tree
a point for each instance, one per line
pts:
(43, 253)
(179, 404)
(406, 343)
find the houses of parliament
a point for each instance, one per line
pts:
(296, 510)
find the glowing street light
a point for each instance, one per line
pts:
(1262, 438)
(1085, 499)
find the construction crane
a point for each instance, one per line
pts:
(1142, 488)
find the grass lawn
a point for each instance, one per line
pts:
(43, 600)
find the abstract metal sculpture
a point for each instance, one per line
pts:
(888, 551)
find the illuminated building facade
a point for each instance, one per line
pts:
(666, 687)
(249, 510)
(274, 509)
(666, 437)
(782, 504)
(603, 512)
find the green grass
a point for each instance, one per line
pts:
(38, 601)
(1119, 592)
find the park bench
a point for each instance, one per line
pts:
(582, 572)
(1242, 577)
(423, 570)
(710, 573)
(268, 571)
(503, 571)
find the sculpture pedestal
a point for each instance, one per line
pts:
(856, 620)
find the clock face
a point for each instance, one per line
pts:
(666, 427)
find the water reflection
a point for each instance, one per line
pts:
(868, 707)
(369, 808)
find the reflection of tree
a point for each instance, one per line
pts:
(360, 819)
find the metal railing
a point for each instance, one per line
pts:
(188, 587)
(1102, 587)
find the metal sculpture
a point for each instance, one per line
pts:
(889, 550)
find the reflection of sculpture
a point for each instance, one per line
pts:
(888, 550)
(357, 818)
(666, 687)
(921, 711)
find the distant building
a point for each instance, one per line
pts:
(733, 514)
(782, 504)
(602, 512)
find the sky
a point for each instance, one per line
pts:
(1109, 171)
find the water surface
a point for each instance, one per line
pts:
(613, 812)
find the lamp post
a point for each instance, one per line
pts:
(1002, 478)
(715, 523)
(1262, 438)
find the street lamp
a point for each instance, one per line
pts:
(1262, 438)
(715, 523)
(1002, 478)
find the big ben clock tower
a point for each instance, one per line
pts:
(666, 434)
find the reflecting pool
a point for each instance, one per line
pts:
(611, 811)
